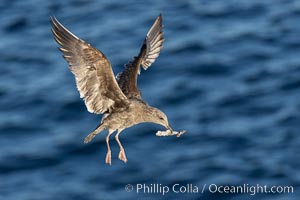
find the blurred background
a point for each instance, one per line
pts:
(229, 74)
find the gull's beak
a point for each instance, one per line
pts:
(169, 128)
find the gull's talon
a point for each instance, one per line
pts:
(122, 156)
(108, 158)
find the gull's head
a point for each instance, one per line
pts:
(160, 118)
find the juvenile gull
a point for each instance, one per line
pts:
(118, 99)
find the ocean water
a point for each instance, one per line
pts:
(229, 74)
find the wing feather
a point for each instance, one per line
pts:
(92, 70)
(150, 50)
(153, 43)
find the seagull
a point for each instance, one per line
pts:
(118, 99)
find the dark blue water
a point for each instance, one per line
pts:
(229, 74)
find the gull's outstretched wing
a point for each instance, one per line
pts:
(93, 73)
(127, 79)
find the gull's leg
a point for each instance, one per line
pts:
(122, 155)
(108, 154)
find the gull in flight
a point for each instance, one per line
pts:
(118, 99)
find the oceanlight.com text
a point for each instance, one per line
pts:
(157, 188)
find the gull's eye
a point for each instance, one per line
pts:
(161, 118)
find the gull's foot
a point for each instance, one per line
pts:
(122, 156)
(108, 158)
(89, 138)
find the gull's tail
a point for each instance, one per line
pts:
(94, 133)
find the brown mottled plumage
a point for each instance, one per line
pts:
(118, 99)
